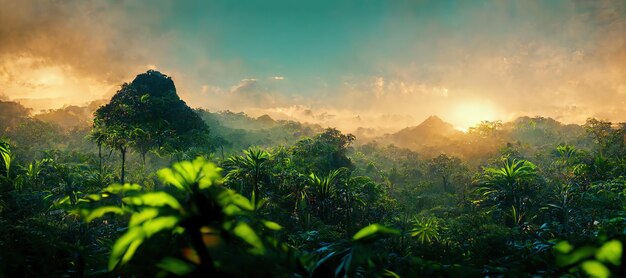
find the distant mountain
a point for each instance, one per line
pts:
(266, 121)
(432, 132)
(71, 116)
(433, 126)
(527, 135)
(240, 131)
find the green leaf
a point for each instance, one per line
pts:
(99, 212)
(118, 188)
(595, 269)
(142, 216)
(176, 266)
(240, 201)
(389, 273)
(168, 176)
(243, 231)
(272, 225)
(563, 247)
(92, 198)
(575, 256)
(373, 231)
(610, 252)
(125, 247)
(154, 199)
(63, 201)
(185, 174)
(156, 225)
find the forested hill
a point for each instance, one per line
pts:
(135, 192)
(230, 130)
(236, 130)
(527, 134)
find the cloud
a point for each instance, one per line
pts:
(245, 95)
(565, 60)
(77, 34)
(67, 52)
(539, 61)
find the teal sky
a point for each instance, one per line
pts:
(331, 40)
(343, 63)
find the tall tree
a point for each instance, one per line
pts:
(249, 168)
(5, 159)
(509, 186)
(444, 167)
(601, 132)
(325, 152)
(146, 115)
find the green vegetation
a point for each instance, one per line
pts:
(155, 188)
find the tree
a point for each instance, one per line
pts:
(142, 141)
(443, 167)
(325, 152)
(5, 158)
(325, 188)
(11, 113)
(146, 115)
(32, 134)
(426, 230)
(99, 137)
(600, 131)
(486, 128)
(250, 169)
(510, 185)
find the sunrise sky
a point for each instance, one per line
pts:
(378, 64)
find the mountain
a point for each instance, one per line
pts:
(155, 84)
(149, 112)
(266, 121)
(239, 131)
(72, 116)
(432, 132)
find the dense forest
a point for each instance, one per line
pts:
(143, 185)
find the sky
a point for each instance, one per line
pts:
(382, 65)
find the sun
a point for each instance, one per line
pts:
(469, 113)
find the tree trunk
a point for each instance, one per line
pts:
(123, 151)
(347, 213)
(206, 262)
(143, 159)
(100, 156)
(255, 188)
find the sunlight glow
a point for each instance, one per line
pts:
(49, 76)
(467, 114)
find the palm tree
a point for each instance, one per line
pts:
(5, 155)
(325, 189)
(118, 139)
(426, 230)
(249, 168)
(300, 196)
(142, 142)
(508, 185)
(99, 137)
(31, 175)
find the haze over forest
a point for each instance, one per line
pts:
(381, 65)
(288, 138)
